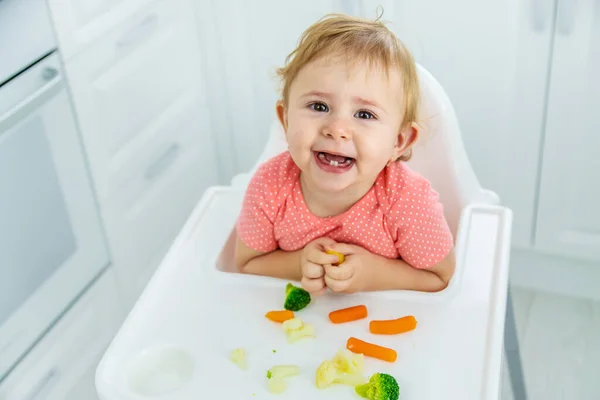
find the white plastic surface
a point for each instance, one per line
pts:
(191, 315)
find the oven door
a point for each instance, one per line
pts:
(51, 242)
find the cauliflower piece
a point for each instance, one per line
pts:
(282, 371)
(276, 385)
(238, 356)
(328, 374)
(296, 329)
(349, 362)
(345, 368)
(275, 377)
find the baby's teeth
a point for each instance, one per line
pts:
(333, 163)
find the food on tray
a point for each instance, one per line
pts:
(280, 315)
(349, 362)
(345, 368)
(296, 298)
(276, 385)
(341, 257)
(371, 350)
(393, 326)
(277, 374)
(296, 329)
(238, 356)
(348, 314)
(327, 375)
(380, 387)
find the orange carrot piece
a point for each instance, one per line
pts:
(280, 315)
(371, 350)
(348, 314)
(393, 326)
(340, 256)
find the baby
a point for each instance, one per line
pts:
(349, 108)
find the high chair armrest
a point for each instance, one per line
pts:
(483, 247)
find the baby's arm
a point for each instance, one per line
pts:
(396, 274)
(256, 250)
(277, 263)
(423, 239)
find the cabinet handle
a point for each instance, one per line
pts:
(163, 162)
(138, 32)
(28, 99)
(567, 9)
(45, 384)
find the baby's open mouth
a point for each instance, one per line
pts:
(335, 160)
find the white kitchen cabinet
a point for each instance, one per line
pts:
(568, 221)
(60, 364)
(140, 99)
(124, 84)
(80, 23)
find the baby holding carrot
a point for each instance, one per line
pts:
(349, 109)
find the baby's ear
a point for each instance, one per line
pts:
(281, 114)
(407, 137)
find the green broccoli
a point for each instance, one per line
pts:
(295, 298)
(380, 387)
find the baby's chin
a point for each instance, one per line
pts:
(333, 182)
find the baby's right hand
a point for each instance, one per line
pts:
(312, 261)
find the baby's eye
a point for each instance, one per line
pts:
(364, 115)
(320, 107)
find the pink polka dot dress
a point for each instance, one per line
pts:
(400, 217)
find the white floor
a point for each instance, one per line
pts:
(560, 346)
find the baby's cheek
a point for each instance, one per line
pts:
(374, 157)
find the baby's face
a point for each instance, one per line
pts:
(343, 122)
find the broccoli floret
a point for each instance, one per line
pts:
(380, 387)
(296, 298)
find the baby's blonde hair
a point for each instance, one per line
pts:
(358, 39)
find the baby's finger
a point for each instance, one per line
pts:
(341, 273)
(319, 292)
(313, 285)
(336, 285)
(313, 271)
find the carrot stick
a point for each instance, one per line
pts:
(280, 316)
(393, 326)
(348, 314)
(341, 257)
(371, 350)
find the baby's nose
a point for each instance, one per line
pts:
(338, 130)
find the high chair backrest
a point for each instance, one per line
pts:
(439, 154)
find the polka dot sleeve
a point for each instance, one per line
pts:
(423, 237)
(259, 208)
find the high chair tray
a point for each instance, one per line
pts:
(175, 344)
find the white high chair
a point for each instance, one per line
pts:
(175, 343)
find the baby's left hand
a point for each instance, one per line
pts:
(348, 277)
